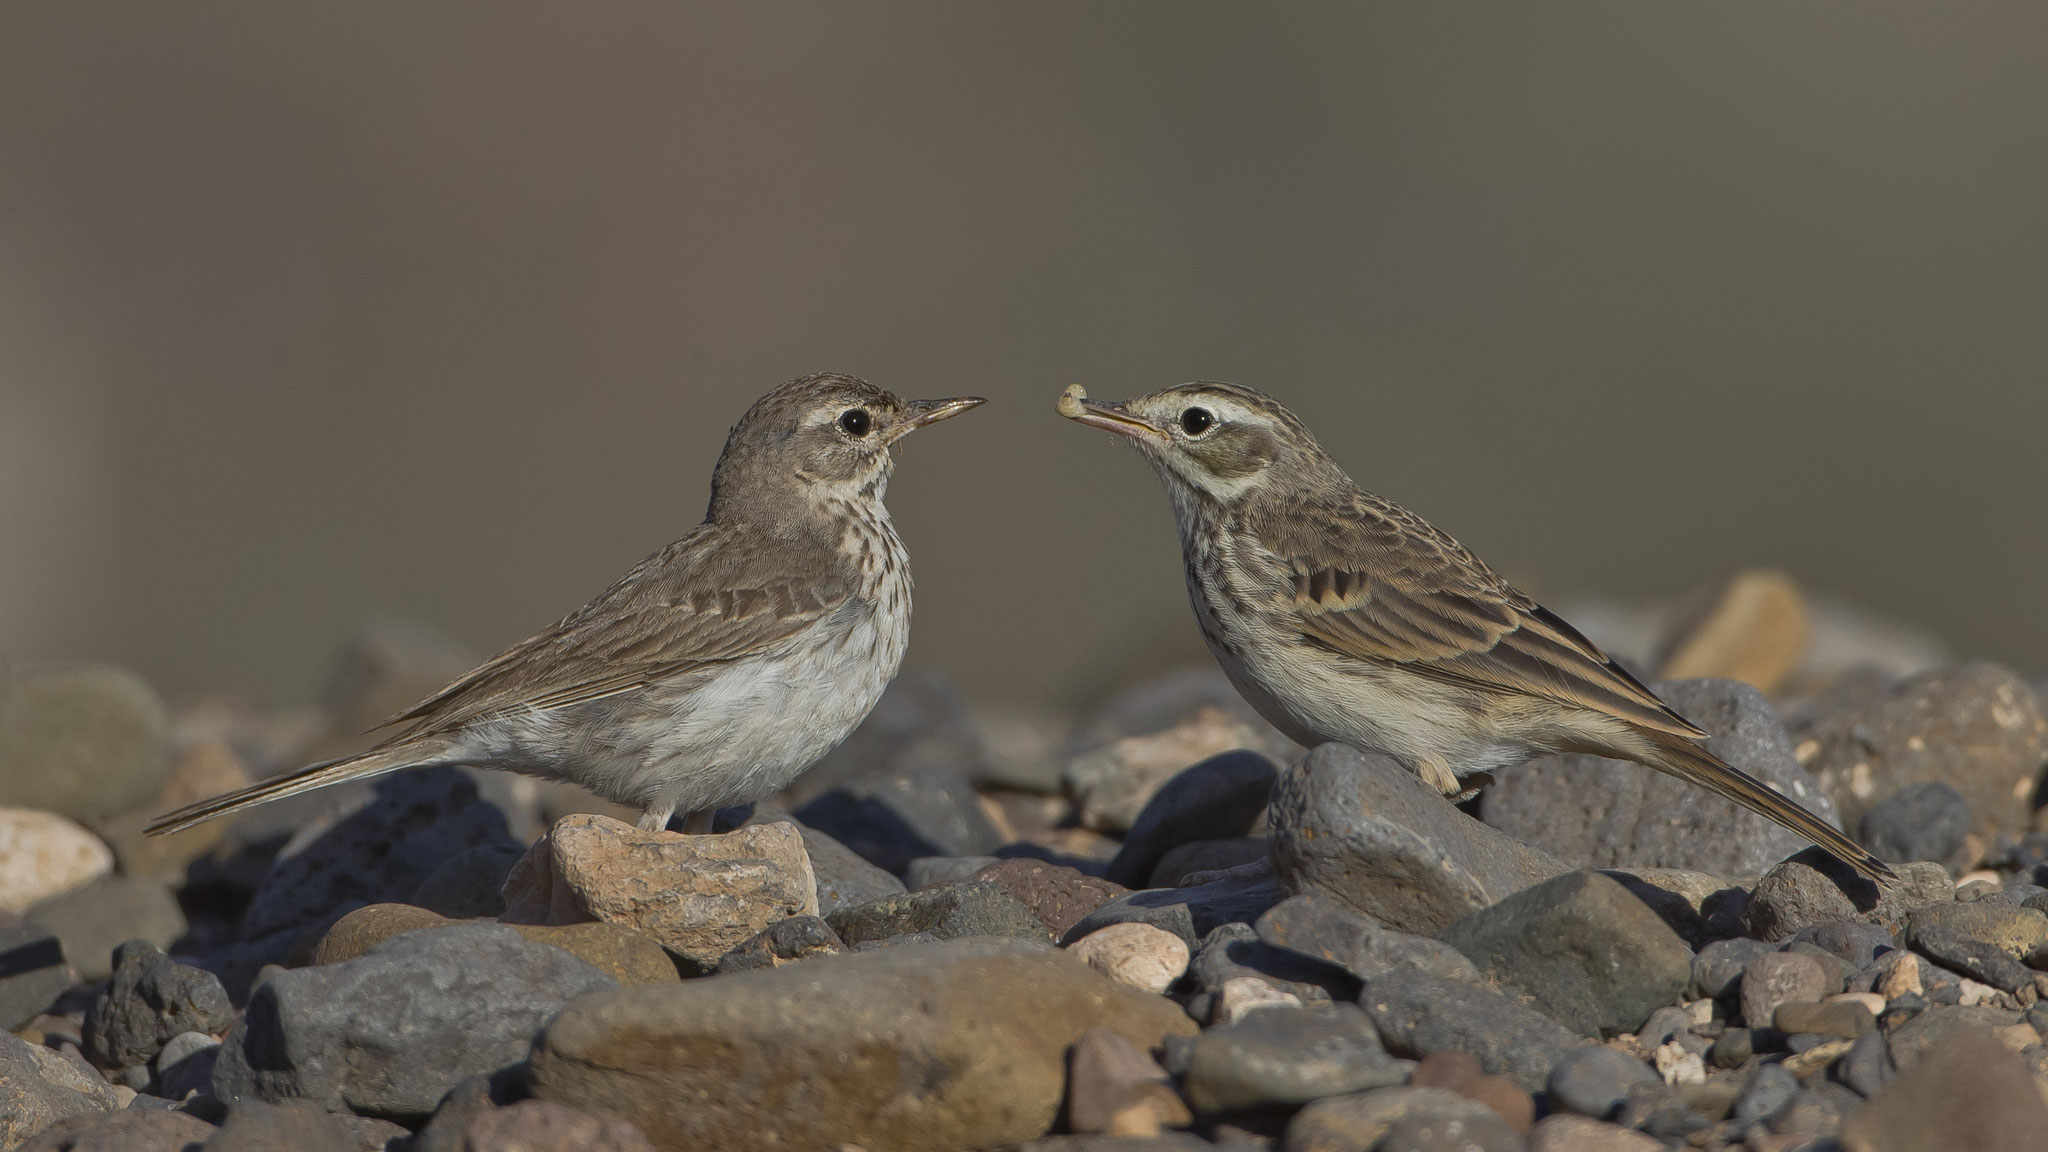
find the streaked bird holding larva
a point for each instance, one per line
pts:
(718, 668)
(1343, 617)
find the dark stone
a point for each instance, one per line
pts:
(150, 1000)
(1975, 958)
(1365, 831)
(1478, 1132)
(1660, 1112)
(892, 818)
(1815, 888)
(470, 885)
(1234, 950)
(1854, 942)
(1975, 727)
(1867, 1065)
(783, 942)
(1911, 1041)
(1663, 1024)
(1216, 799)
(1196, 856)
(1581, 949)
(1970, 1093)
(1766, 1092)
(390, 1032)
(1924, 821)
(970, 909)
(39, 1087)
(32, 972)
(1595, 1081)
(419, 820)
(1601, 813)
(1059, 896)
(1322, 928)
(1418, 1013)
(1817, 1110)
(1367, 1119)
(1732, 1048)
(1984, 939)
(1238, 897)
(299, 1126)
(1717, 968)
(1839, 1019)
(1285, 1059)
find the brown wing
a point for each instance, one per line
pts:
(1372, 580)
(694, 602)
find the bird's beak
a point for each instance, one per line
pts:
(1075, 405)
(919, 413)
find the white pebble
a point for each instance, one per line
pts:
(1247, 994)
(1140, 955)
(43, 855)
(1679, 1066)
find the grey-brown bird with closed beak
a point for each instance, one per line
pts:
(721, 666)
(1342, 616)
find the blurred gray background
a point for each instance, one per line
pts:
(315, 313)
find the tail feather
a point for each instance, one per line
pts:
(1692, 763)
(306, 779)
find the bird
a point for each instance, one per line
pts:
(720, 667)
(1342, 617)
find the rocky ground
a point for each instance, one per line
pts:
(1156, 926)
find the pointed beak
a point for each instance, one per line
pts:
(1111, 417)
(919, 413)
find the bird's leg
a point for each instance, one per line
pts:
(698, 823)
(655, 819)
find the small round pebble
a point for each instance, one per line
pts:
(1134, 953)
(1595, 1081)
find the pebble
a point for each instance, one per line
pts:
(1679, 1065)
(1058, 895)
(1912, 1040)
(934, 871)
(1115, 1088)
(784, 942)
(1365, 1119)
(471, 885)
(150, 1000)
(1579, 948)
(83, 743)
(1328, 930)
(698, 896)
(1479, 1132)
(1777, 977)
(1235, 950)
(1971, 1093)
(467, 998)
(92, 921)
(1718, 967)
(1814, 888)
(627, 956)
(1601, 813)
(972, 908)
(1975, 727)
(43, 855)
(1568, 1133)
(1901, 979)
(545, 1126)
(1244, 995)
(1846, 1019)
(1595, 1081)
(1219, 798)
(184, 1064)
(1113, 783)
(1271, 1059)
(986, 1024)
(1418, 1014)
(299, 1126)
(1924, 821)
(1856, 943)
(1136, 954)
(844, 879)
(1366, 832)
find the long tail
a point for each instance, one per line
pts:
(306, 779)
(1690, 762)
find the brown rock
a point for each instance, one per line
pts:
(1059, 896)
(138, 1130)
(926, 1047)
(1567, 1133)
(39, 1087)
(1116, 1089)
(627, 956)
(1968, 1093)
(545, 1126)
(1975, 727)
(1753, 628)
(1508, 1102)
(699, 896)
(1140, 955)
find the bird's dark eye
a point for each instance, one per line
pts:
(855, 421)
(1196, 421)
